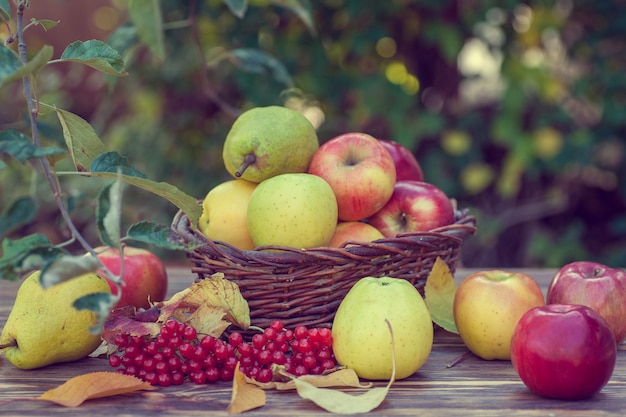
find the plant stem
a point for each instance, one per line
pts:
(33, 112)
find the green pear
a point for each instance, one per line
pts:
(297, 210)
(267, 141)
(44, 328)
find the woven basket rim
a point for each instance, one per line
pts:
(463, 227)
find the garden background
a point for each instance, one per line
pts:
(516, 109)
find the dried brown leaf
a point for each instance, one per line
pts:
(77, 390)
(245, 396)
(345, 377)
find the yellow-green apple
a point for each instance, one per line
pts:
(360, 171)
(595, 285)
(487, 306)
(563, 351)
(267, 141)
(354, 231)
(361, 336)
(407, 167)
(414, 206)
(297, 210)
(144, 279)
(224, 213)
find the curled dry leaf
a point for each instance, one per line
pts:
(245, 396)
(439, 295)
(77, 390)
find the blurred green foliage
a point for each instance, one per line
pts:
(513, 108)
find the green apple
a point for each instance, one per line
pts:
(267, 141)
(361, 337)
(224, 213)
(297, 210)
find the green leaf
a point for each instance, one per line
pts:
(5, 10)
(11, 69)
(66, 267)
(158, 235)
(108, 213)
(302, 9)
(237, 7)
(114, 162)
(100, 303)
(82, 141)
(95, 54)
(19, 212)
(146, 16)
(19, 146)
(439, 295)
(24, 254)
(45, 23)
(259, 62)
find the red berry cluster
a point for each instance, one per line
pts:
(177, 354)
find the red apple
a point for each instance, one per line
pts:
(595, 285)
(563, 351)
(144, 280)
(355, 231)
(407, 167)
(414, 206)
(360, 171)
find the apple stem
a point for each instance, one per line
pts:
(460, 359)
(12, 343)
(248, 160)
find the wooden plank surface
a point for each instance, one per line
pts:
(474, 387)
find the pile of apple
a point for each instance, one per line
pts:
(287, 190)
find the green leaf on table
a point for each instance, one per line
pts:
(96, 54)
(20, 211)
(259, 62)
(11, 69)
(439, 295)
(26, 253)
(81, 140)
(157, 235)
(302, 9)
(20, 147)
(114, 162)
(237, 7)
(66, 267)
(108, 213)
(147, 18)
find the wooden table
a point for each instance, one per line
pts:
(473, 387)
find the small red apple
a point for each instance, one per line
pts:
(414, 206)
(407, 167)
(360, 171)
(595, 285)
(355, 231)
(563, 351)
(144, 280)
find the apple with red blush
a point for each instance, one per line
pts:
(414, 206)
(563, 351)
(595, 285)
(354, 231)
(144, 278)
(360, 171)
(407, 166)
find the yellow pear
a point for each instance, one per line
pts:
(224, 215)
(267, 141)
(44, 328)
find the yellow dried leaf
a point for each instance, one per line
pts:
(77, 390)
(209, 320)
(345, 377)
(245, 396)
(439, 295)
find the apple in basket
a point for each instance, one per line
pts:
(355, 231)
(407, 167)
(414, 206)
(360, 171)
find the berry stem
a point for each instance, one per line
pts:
(460, 359)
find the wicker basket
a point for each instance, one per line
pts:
(305, 287)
